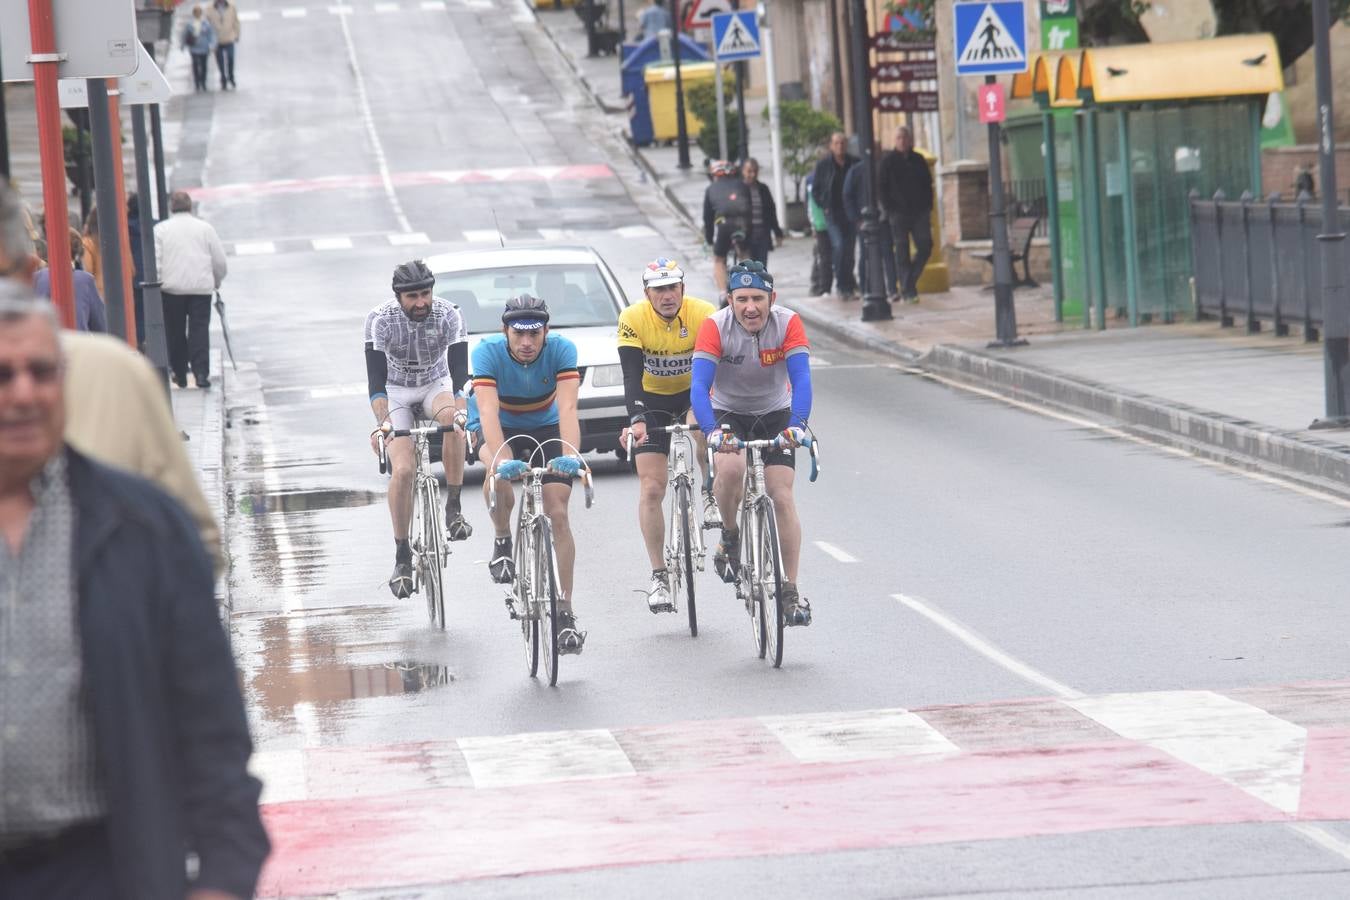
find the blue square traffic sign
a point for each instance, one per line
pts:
(991, 37)
(735, 36)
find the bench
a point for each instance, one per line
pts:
(1019, 244)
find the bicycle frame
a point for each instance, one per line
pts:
(680, 472)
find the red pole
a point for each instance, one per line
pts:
(46, 66)
(120, 220)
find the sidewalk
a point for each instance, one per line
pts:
(1219, 393)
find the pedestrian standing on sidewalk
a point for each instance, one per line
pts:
(853, 208)
(91, 314)
(116, 410)
(200, 39)
(765, 231)
(906, 191)
(652, 20)
(822, 272)
(126, 745)
(192, 265)
(224, 18)
(828, 189)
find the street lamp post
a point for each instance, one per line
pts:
(876, 307)
(1335, 301)
(681, 131)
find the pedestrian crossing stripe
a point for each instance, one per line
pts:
(990, 38)
(735, 35)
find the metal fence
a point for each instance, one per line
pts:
(1259, 260)
(1027, 197)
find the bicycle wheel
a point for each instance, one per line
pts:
(747, 583)
(523, 588)
(684, 553)
(546, 584)
(432, 559)
(770, 580)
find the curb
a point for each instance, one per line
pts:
(1322, 465)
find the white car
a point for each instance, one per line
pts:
(584, 301)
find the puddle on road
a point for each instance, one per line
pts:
(279, 690)
(304, 501)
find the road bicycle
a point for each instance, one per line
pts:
(426, 538)
(759, 578)
(684, 551)
(535, 590)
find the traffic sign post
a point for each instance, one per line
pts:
(736, 39)
(990, 39)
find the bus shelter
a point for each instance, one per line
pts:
(1142, 126)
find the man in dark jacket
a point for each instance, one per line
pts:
(726, 217)
(906, 190)
(827, 187)
(854, 200)
(126, 744)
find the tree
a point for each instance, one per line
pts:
(803, 131)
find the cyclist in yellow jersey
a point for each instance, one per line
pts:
(656, 350)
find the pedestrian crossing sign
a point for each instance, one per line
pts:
(735, 36)
(991, 37)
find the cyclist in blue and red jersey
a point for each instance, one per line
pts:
(752, 374)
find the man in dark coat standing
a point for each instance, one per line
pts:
(906, 191)
(827, 187)
(125, 741)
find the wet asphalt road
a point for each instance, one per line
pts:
(1096, 565)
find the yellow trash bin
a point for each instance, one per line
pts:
(660, 80)
(550, 4)
(935, 279)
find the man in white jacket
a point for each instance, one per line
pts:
(191, 262)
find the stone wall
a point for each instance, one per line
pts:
(1280, 166)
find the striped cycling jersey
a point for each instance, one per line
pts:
(526, 394)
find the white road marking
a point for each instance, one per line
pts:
(1321, 837)
(478, 4)
(1081, 422)
(332, 243)
(553, 234)
(409, 239)
(433, 5)
(282, 772)
(368, 120)
(842, 556)
(847, 736)
(341, 10)
(294, 12)
(254, 248)
(1235, 741)
(331, 391)
(386, 7)
(988, 650)
(636, 231)
(483, 236)
(250, 15)
(541, 757)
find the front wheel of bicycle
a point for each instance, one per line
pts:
(432, 559)
(747, 583)
(546, 583)
(684, 556)
(770, 581)
(526, 601)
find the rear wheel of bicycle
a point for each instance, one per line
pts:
(528, 608)
(770, 577)
(684, 556)
(546, 583)
(433, 554)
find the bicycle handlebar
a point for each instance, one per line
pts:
(777, 442)
(387, 434)
(540, 472)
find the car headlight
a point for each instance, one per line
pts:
(607, 376)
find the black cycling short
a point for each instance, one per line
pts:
(722, 238)
(522, 442)
(761, 428)
(662, 410)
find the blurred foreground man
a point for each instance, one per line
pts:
(124, 747)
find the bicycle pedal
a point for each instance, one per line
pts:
(663, 608)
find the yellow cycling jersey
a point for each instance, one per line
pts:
(667, 347)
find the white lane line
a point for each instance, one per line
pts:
(988, 650)
(410, 239)
(433, 5)
(1321, 837)
(295, 12)
(329, 392)
(331, 243)
(386, 7)
(1231, 740)
(635, 231)
(552, 234)
(368, 119)
(250, 15)
(254, 248)
(483, 236)
(842, 556)
(541, 757)
(849, 736)
(1080, 422)
(341, 10)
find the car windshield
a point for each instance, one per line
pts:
(575, 293)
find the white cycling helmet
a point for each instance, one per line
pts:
(662, 271)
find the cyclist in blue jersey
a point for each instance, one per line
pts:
(523, 413)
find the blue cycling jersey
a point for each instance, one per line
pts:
(527, 394)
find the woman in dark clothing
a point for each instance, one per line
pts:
(764, 227)
(90, 312)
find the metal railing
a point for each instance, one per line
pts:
(1028, 198)
(1259, 260)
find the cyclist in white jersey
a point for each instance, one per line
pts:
(417, 357)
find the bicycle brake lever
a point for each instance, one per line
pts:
(492, 494)
(589, 488)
